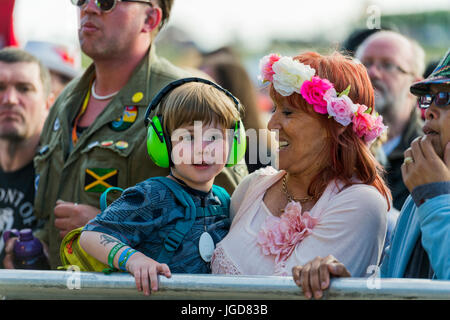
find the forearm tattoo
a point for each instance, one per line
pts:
(106, 239)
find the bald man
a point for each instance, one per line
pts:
(394, 62)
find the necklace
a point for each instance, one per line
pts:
(290, 197)
(98, 97)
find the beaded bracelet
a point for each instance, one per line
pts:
(113, 253)
(126, 254)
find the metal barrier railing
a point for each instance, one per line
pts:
(24, 284)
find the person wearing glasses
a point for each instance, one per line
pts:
(95, 137)
(394, 63)
(421, 242)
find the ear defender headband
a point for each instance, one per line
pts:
(159, 144)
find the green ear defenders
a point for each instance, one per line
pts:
(159, 145)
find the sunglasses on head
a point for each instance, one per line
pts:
(441, 99)
(105, 5)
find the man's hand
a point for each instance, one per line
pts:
(423, 165)
(314, 276)
(69, 216)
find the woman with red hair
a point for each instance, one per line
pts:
(327, 196)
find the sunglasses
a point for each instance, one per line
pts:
(105, 5)
(441, 99)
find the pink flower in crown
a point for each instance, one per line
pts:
(376, 130)
(341, 108)
(363, 121)
(313, 92)
(265, 65)
(280, 236)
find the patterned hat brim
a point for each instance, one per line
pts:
(423, 87)
(440, 75)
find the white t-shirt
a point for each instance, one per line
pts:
(351, 226)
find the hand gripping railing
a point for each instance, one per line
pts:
(21, 284)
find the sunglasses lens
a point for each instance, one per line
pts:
(78, 3)
(105, 5)
(441, 99)
(425, 101)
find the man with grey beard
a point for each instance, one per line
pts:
(25, 100)
(394, 63)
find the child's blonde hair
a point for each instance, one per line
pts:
(197, 101)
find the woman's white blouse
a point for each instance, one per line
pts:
(352, 226)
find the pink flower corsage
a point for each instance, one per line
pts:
(280, 235)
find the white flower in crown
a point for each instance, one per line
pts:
(289, 75)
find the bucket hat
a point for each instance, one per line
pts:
(441, 74)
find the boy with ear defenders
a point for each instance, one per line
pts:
(171, 224)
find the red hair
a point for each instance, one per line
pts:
(349, 156)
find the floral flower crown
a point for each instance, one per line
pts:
(290, 76)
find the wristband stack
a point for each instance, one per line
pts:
(124, 256)
(113, 253)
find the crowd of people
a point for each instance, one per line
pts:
(361, 178)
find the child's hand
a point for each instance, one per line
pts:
(144, 269)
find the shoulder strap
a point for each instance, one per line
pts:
(223, 196)
(103, 197)
(182, 227)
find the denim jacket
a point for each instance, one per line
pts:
(431, 223)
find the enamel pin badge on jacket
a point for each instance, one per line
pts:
(127, 119)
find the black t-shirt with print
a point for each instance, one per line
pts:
(16, 202)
